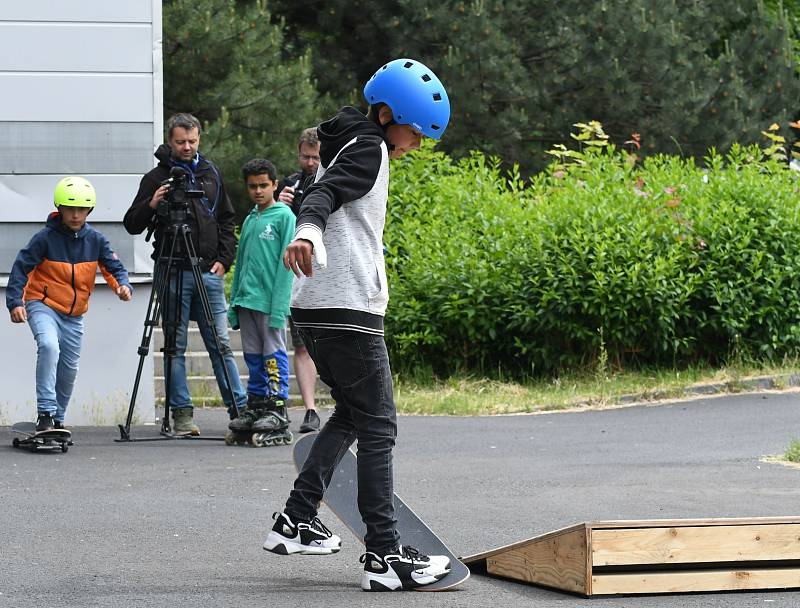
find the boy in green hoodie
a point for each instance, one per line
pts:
(260, 294)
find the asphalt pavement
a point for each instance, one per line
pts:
(180, 523)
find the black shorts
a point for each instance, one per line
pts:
(297, 339)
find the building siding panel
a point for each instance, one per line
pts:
(81, 47)
(114, 11)
(75, 147)
(91, 98)
(29, 198)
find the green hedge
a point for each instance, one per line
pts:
(660, 263)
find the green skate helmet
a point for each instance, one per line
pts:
(74, 191)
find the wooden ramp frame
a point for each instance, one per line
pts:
(655, 556)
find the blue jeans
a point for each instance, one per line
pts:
(191, 307)
(356, 367)
(58, 350)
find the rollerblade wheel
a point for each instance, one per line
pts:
(288, 437)
(259, 440)
(230, 438)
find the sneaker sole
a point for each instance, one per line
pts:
(282, 546)
(373, 582)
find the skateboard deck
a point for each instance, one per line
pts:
(54, 439)
(341, 498)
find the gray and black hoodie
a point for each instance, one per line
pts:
(343, 213)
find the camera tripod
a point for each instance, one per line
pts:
(176, 250)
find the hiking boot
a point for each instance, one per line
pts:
(404, 568)
(183, 421)
(44, 422)
(310, 422)
(304, 537)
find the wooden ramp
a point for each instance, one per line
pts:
(654, 556)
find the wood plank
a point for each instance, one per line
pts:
(676, 545)
(695, 580)
(711, 521)
(559, 561)
(479, 557)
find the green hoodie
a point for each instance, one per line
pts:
(260, 281)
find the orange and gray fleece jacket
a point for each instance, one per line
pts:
(58, 268)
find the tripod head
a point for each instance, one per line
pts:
(173, 210)
(174, 207)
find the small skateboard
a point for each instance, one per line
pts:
(54, 439)
(341, 498)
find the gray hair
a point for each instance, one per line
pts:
(184, 120)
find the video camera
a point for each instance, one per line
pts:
(174, 207)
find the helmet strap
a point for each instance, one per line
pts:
(376, 116)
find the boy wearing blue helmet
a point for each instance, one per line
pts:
(338, 304)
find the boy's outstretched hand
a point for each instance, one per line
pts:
(19, 314)
(297, 257)
(123, 293)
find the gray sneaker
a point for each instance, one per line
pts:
(183, 421)
(310, 422)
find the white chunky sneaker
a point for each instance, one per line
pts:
(405, 568)
(306, 538)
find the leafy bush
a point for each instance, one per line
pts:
(793, 452)
(661, 263)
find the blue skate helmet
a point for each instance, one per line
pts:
(414, 93)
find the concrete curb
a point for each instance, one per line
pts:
(743, 385)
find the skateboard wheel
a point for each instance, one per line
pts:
(64, 447)
(15, 442)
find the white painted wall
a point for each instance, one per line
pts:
(82, 83)
(112, 334)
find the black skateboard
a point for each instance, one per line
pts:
(341, 498)
(54, 439)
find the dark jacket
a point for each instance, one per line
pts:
(58, 267)
(211, 218)
(305, 179)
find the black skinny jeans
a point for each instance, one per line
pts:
(356, 367)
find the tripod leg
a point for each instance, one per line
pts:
(173, 315)
(157, 296)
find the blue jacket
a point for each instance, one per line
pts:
(58, 267)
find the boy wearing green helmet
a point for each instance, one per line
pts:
(338, 304)
(49, 287)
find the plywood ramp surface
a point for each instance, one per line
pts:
(655, 556)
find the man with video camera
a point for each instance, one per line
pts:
(211, 220)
